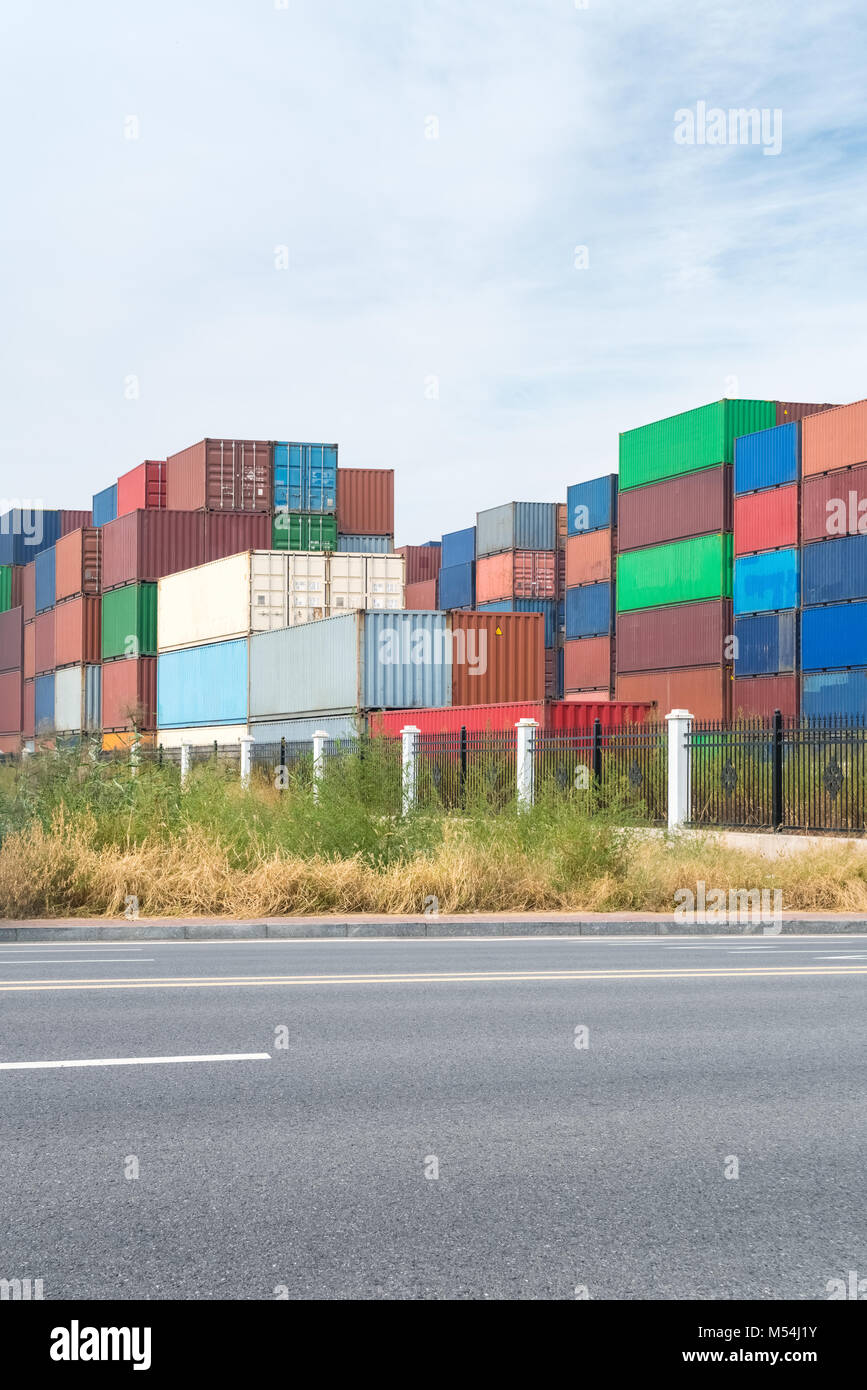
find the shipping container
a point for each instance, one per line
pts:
(590, 558)
(683, 572)
(367, 545)
(796, 410)
(299, 531)
(78, 567)
(766, 645)
(43, 704)
(834, 504)
(516, 526)
(124, 740)
(705, 691)
(256, 591)
(589, 611)
(365, 581)
(423, 594)
(10, 743)
(554, 716)
(202, 737)
(589, 664)
(834, 439)
(73, 521)
(591, 505)
(105, 505)
(365, 501)
(768, 582)
(769, 458)
(77, 631)
(834, 695)
(25, 532)
(457, 586)
(497, 657)
(46, 572)
(28, 592)
(11, 639)
(692, 504)
(422, 562)
(77, 699)
(228, 533)
(694, 439)
(29, 664)
(129, 622)
(458, 548)
(203, 685)
(664, 639)
(44, 640)
(516, 574)
(305, 477)
(585, 697)
(221, 475)
(757, 697)
(548, 608)
(144, 546)
(834, 571)
(766, 520)
(834, 637)
(129, 694)
(342, 727)
(5, 587)
(11, 702)
(142, 488)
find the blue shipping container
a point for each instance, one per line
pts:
(516, 526)
(766, 644)
(768, 458)
(767, 582)
(457, 586)
(203, 685)
(369, 545)
(835, 570)
(459, 547)
(838, 694)
(592, 505)
(105, 505)
(25, 532)
(44, 704)
(546, 606)
(46, 579)
(834, 637)
(589, 611)
(305, 477)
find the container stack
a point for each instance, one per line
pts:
(591, 546)
(11, 658)
(305, 497)
(422, 573)
(456, 585)
(517, 568)
(77, 631)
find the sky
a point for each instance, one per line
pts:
(458, 237)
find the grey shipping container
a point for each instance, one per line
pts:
(517, 526)
(77, 699)
(337, 726)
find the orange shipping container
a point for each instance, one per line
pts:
(10, 743)
(77, 632)
(766, 520)
(587, 663)
(129, 687)
(44, 626)
(28, 591)
(587, 697)
(118, 742)
(29, 720)
(365, 501)
(516, 574)
(422, 594)
(705, 691)
(29, 651)
(589, 557)
(834, 439)
(77, 566)
(497, 658)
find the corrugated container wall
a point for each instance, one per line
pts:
(547, 607)
(365, 501)
(229, 598)
(129, 688)
(834, 439)
(590, 558)
(705, 690)
(458, 548)
(659, 639)
(833, 571)
(695, 504)
(6, 572)
(44, 704)
(834, 637)
(232, 475)
(28, 724)
(11, 702)
(342, 727)
(78, 563)
(77, 699)
(228, 533)
(303, 531)
(588, 664)
(74, 520)
(592, 505)
(516, 574)
(142, 488)
(769, 458)
(44, 638)
(796, 410)
(834, 694)
(305, 477)
(105, 505)
(767, 582)
(28, 592)
(497, 658)
(144, 546)
(516, 526)
(77, 631)
(423, 594)
(457, 586)
(11, 639)
(129, 622)
(694, 439)
(29, 661)
(25, 532)
(45, 579)
(766, 645)
(203, 685)
(834, 504)
(422, 562)
(589, 611)
(760, 696)
(369, 545)
(766, 520)
(683, 572)
(551, 715)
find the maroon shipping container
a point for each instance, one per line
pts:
(12, 639)
(77, 632)
(222, 475)
(144, 546)
(761, 695)
(142, 488)
(29, 663)
(18, 585)
(44, 626)
(588, 664)
(365, 501)
(796, 410)
(830, 504)
(705, 691)
(228, 533)
(422, 561)
(11, 702)
(421, 595)
(129, 686)
(497, 657)
(73, 521)
(665, 639)
(28, 591)
(77, 563)
(694, 504)
(766, 520)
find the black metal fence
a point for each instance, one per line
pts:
(626, 763)
(465, 766)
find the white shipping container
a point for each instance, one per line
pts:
(77, 699)
(224, 599)
(308, 586)
(366, 581)
(222, 734)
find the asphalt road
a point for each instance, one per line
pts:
(307, 1169)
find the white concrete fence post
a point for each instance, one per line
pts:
(134, 758)
(246, 760)
(409, 766)
(319, 738)
(526, 762)
(186, 759)
(679, 723)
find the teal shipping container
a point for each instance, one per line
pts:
(203, 685)
(768, 582)
(305, 477)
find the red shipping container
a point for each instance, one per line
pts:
(516, 574)
(77, 632)
(28, 591)
(44, 626)
(704, 691)
(10, 743)
(11, 640)
(693, 504)
(28, 722)
(665, 639)
(766, 520)
(797, 410)
(421, 595)
(145, 546)
(551, 715)
(222, 475)
(834, 439)
(29, 664)
(588, 664)
(228, 533)
(11, 702)
(129, 686)
(422, 562)
(17, 585)
(834, 504)
(497, 657)
(587, 696)
(365, 501)
(77, 563)
(73, 521)
(590, 557)
(142, 488)
(760, 696)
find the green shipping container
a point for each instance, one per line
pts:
(683, 572)
(5, 588)
(696, 439)
(129, 621)
(303, 531)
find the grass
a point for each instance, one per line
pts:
(79, 837)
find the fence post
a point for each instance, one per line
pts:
(409, 766)
(463, 766)
(596, 753)
(185, 763)
(777, 772)
(246, 759)
(319, 737)
(679, 723)
(134, 757)
(526, 764)
(282, 778)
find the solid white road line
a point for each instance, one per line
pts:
(138, 1061)
(86, 960)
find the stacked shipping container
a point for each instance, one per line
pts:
(517, 569)
(591, 544)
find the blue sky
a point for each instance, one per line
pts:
(431, 318)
